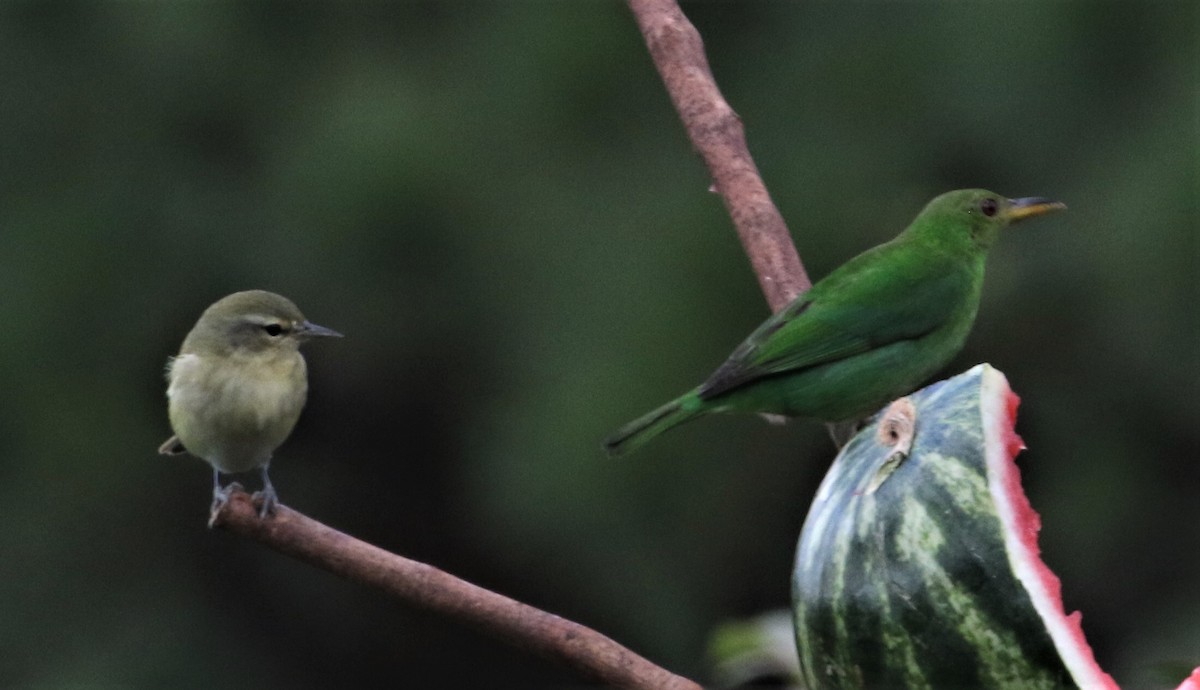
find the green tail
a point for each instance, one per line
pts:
(636, 433)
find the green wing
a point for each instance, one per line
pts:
(891, 293)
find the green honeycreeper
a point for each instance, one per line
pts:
(870, 332)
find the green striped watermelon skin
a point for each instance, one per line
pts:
(910, 586)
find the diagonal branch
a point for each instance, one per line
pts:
(716, 132)
(424, 586)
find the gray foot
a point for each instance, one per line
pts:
(268, 496)
(220, 498)
(269, 500)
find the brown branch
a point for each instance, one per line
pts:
(424, 586)
(716, 132)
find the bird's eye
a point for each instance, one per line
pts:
(273, 329)
(988, 207)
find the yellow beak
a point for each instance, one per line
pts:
(1030, 206)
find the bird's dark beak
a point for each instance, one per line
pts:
(308, 329)
(1030, 206)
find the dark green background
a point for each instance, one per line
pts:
(499, 208)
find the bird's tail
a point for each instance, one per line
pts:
(636, 433)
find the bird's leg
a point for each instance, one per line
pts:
(269, 498)
(220, 496)
(842, 432)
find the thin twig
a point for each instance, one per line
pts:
(717, 133)
(424, 586)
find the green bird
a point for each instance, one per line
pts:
(870, 332)
(236, 388)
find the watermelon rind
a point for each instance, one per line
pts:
(922, 571)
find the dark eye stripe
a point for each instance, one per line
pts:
(273, 329)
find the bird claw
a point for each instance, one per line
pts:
(266, 500)
(842, 432)
(220, 498)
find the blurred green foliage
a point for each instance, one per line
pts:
(497, 205)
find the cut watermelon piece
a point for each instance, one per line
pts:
(1192, 682)
(924, 571)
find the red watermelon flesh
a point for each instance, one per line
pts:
(999, 406)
